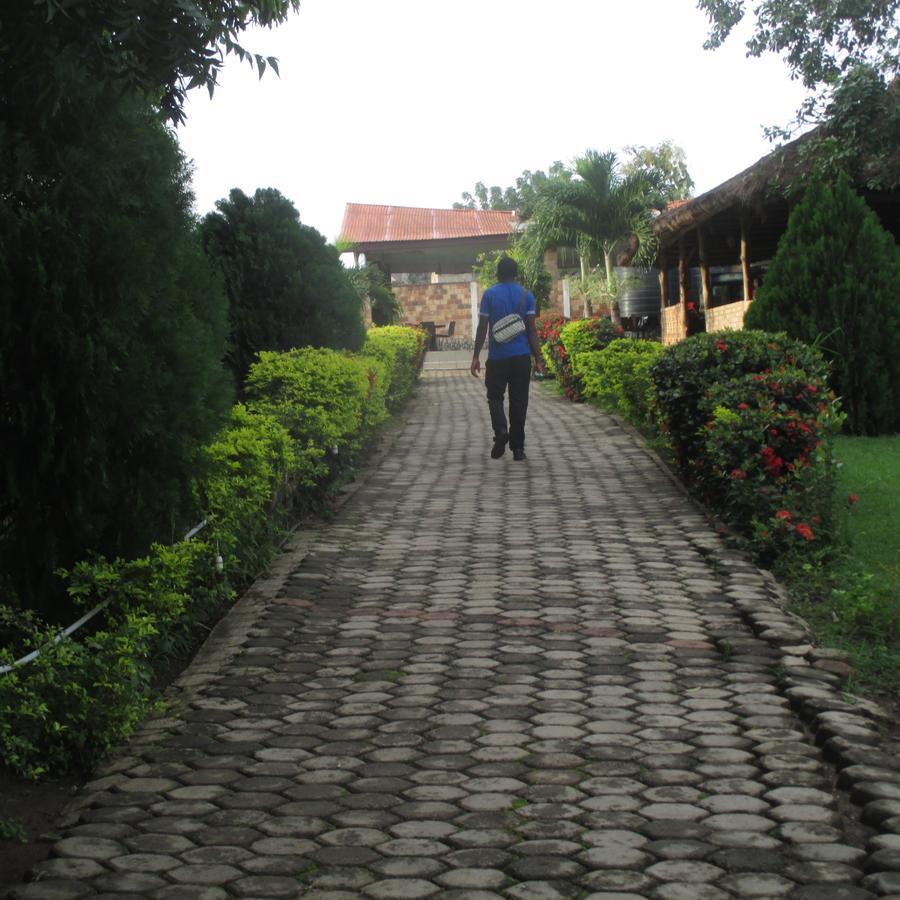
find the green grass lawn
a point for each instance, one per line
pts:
(854, 602)
(870, 469)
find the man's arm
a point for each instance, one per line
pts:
(480, 335)
(535, 344)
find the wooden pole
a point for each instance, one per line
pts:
(663, 282)
(682, 285)
(745, 259)
(705, 288)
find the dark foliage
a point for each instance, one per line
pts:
(286, 286)
(833, 283)
(112, 329)
(161, 48)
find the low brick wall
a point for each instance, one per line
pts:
(673, 324)
(731, 315)
(438, 303)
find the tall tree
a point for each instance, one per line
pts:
(597, 209)
(286, 286)
(669, 164)
(520, 197)
(112, 331)
(833, 283)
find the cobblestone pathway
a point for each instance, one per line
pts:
(488, 679)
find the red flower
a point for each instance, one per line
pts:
(783, 514)
(721, 345)
(851, 499)
(743, 406)
(804, 531)
(738, 474)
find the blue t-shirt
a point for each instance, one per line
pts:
(499, 301)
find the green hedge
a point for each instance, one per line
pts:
(81, 696)
(402, 350)
(618, 378)
(561, 341)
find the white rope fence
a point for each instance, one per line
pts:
(68, 632)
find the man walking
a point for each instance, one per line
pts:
(509, 362)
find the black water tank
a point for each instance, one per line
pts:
(640, 296)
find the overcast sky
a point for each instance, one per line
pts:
(410, 102)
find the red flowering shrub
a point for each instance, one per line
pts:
(548, 334)
(751, 420)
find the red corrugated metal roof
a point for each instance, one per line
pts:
(370, 224)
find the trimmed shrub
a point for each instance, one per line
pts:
(252, 475)
(688, 370)
(750, 418)
(618, 378)
(403, 352)
(833, 283)
(317, 395)
(562, 341)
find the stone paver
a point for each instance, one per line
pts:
(483, 678)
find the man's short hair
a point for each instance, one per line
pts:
(507, 269)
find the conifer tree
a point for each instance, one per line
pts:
(833, 282)
(286, 286)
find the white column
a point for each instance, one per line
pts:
(567, 303)
(473, 290)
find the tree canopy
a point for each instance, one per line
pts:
(521, 196)
(161, 48)
(669, 164)
(821, 42)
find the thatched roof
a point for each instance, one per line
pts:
(781, 172)
(748, 189)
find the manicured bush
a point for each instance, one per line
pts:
(403, 351)
(751, 419)
(562, 341)
(618, 378)
(317, 395)
(688, 370)
(252, 476)
(833, 283)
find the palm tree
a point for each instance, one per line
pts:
(596, 211)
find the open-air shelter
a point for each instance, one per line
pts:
(429, 255)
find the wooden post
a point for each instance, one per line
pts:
(745, 259)
(682, 285)
(704, 270)
(663, 282)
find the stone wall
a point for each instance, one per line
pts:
(672, 324)
(438, 303)
(731, 315)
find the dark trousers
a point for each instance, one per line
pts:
(514, 373)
